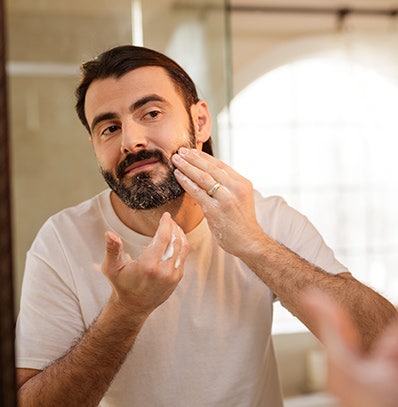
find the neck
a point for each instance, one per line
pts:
(184, 211)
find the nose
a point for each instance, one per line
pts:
(133, 138)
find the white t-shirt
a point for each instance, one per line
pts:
(208, 345)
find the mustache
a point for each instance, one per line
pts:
(139, 156)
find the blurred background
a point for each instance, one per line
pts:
(303, 96)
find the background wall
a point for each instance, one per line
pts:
(52, 163)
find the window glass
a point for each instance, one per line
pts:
(322, 133)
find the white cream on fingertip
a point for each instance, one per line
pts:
(168, 254)
(178, 262)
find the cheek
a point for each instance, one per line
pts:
(107, 156)
(175, 137)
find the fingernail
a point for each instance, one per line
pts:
(183, 151)
(112, 238)
(176, 157)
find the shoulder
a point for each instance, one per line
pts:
(294, 230)
(275, 215)
(86, 211)
(82, 210)
(271, 203)
(72, 221)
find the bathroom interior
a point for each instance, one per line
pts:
(308, 89)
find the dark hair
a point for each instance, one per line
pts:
(118, 61)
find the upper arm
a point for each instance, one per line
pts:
(23, 375)
(50, 318)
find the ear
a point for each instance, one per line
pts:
(202, 122)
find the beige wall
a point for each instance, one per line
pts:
(52, 162)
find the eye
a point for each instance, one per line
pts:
(153, 114)
(110, 130)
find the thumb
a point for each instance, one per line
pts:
(113, 260)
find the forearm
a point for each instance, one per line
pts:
(288, 276)
(82, 376)
(231, 215)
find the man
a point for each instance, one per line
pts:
(164, 325)
(356, 378)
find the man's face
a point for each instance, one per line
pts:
(137, 122)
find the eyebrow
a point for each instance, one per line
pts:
(133, 107)
(146, 99)
(102, 117)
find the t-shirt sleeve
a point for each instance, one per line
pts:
(292, 229)
(49, 321)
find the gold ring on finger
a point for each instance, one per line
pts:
(214, 189)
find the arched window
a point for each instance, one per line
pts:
(323, 133)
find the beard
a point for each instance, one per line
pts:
(140, 191)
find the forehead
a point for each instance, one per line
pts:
(131, 86)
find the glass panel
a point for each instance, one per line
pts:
(325, 134)
(52, 162)
(193, 33)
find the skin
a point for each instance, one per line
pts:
(143, 110)
(287, 274)
(138, 129)
(356, 378)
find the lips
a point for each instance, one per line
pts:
(140, 165)
(139, 162)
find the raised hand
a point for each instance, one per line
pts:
(359, 379)
(225, 196)
(144, 283)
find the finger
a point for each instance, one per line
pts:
(202, 179)
(167, 242)
(203, 169)
(193, 189)
(113, 260)
(177, 248)
(207, 163)
(181, 248)
(169, 252)
(162, 236)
